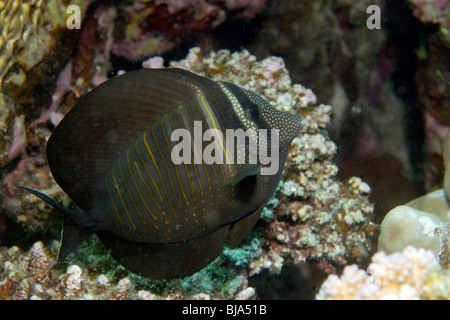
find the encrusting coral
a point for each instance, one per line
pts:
(410, 274)
(422, 222)
(312, 216)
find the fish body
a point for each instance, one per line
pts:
(148, 158)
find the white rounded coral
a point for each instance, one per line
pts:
(397, 276)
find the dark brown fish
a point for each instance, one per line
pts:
(117, 155)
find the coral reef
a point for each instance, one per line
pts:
(410, 274)
(312, 216)
(153, 28)
(32, 275)
(330, 224)
(422, 222)
(14, 16)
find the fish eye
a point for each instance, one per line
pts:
(252, 113)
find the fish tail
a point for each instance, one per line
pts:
(76, 229)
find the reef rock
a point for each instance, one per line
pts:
(423, 222)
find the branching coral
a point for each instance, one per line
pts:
(410, 274)
(32, 275)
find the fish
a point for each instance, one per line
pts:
(153, 160)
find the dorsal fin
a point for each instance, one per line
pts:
(95, 131)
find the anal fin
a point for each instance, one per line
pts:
(72, 237)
